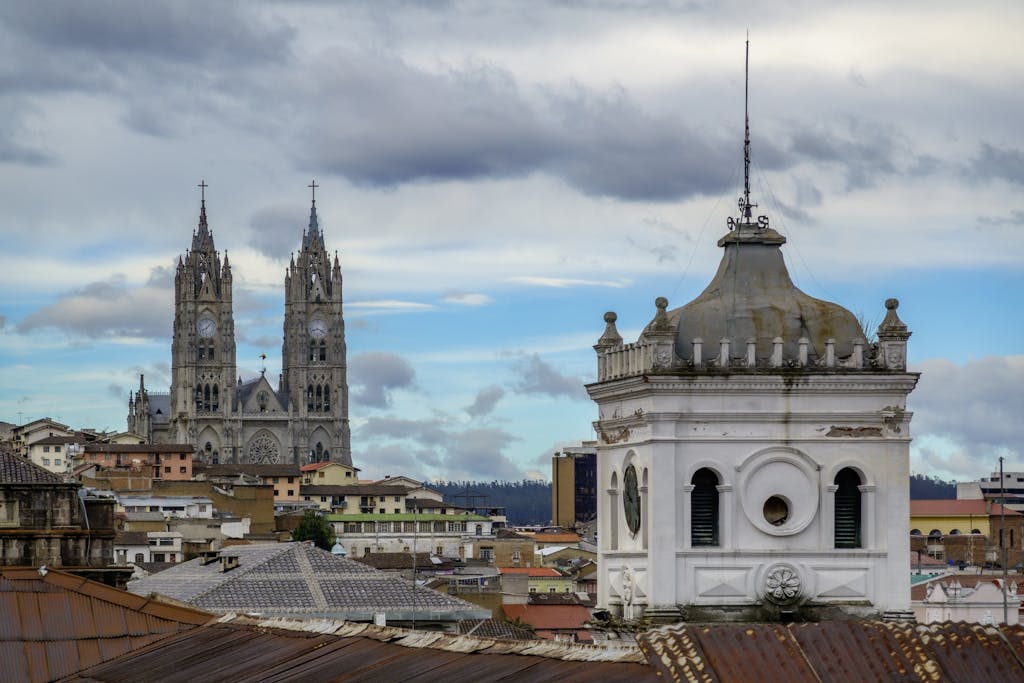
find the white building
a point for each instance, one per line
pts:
(190, 507)
(753, 451)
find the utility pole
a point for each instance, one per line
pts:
(1002, 533)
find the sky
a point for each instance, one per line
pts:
(494, 177)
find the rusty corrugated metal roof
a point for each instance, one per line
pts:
(852, 651)
(53, 624)
(248, 650)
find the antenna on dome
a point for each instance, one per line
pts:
(746, 219)
(745, 206)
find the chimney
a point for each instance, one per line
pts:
(208, 556)
(228, 562)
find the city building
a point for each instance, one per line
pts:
(965, 598)
(329, 473)
(971, 531)
(443, 535)
(753, 450)
(541, 579)
(301, 418)
(45, 521)
(170, 462)
(1008, 489)
(574, 485)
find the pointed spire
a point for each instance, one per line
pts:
(203, 228)
(142, 385)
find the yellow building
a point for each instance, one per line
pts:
(953, 517)
(542, 579)
(329, 474)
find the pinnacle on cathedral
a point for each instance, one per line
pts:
(304, 417)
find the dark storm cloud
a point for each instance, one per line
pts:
(976, 405)
(995, 163)
(374, 375)
(485, 401)
(108, 308)
(380, 121)
(535, 376)
(863, 150)
(227, 32)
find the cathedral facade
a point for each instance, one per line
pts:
(304, 418)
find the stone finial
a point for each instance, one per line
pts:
(661, 322)
(611, 336)
(892, 323)
(892, 338)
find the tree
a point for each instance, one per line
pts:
(313, 527)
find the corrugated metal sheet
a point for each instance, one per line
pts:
(244, 650)
(53, 624)
(842, 651)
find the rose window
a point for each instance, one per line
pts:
(263, 449)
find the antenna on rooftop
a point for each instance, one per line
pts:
(745, 205)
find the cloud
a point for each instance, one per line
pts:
(109, 309)
(1015, 217)
(477, 454)
(975, 408)
(565, 282)
(485, 401)
(390, 306)
(476, 121)
(535, 376)
(441, 445)
(465, 298)
(428, 432)
(224, 32)
(377, 374)
(994, 163)
(276, 231)
(864, 150)
(380, 460)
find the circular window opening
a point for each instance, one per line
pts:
(776, 511)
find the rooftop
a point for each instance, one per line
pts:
(15, 469)
(958, 508)
(533, 572)
(300, 580)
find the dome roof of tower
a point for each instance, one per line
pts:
(752, 297)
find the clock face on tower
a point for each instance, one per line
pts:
(317, 329)
(631, 500)
(207, 327)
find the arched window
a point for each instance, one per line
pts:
(847, 513)
(312, 350)
(915, 532)
(327, 399)
(199, 398)
(704, 508)
(309, 398)
(216, 398)
(323, 350)
(954, 532)
(975, 531)
(206, 398)
(319, 398)
(319, 452)
(934, 534)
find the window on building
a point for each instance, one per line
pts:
(552, 590)
(533, 589)
(182, 470)
(276, 493)
(704, 508)
(291, 492)
(323, 499)
(487, 553)
(159, 557)
(398, 511)
(320, 474)
(56, 449)
(167, 470)
(46, 461)
(480, 530)
(208, 447)
(439, 550)
(56, 461)
(366, 550)
(291, 480)
(847, 509)
(46, 449)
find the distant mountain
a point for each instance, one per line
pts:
(923, 487)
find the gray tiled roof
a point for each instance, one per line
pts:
(299, 579)
(15, 469)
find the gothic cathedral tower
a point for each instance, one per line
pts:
(203, 344)
(314, 374)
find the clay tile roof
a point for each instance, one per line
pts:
(15, 469)
(55, 624)
(554, 617)
(922, 508)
